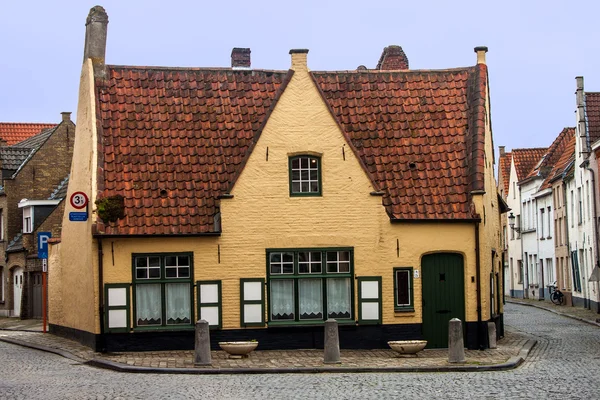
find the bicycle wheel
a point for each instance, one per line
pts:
(561, 298)
(556, 299)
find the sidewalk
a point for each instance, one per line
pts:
(578, 313)
(511, 351)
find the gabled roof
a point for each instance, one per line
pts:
(566, 158)
(556, 149)
(526, 159)
(417, 133)
(13, 157)
(505, 163)
(14, 132)
(174, 140)
(592, 110)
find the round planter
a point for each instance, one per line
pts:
(238, 349)
(407, 346)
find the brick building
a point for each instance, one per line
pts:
(34, 181)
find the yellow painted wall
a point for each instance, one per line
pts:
(73, 267)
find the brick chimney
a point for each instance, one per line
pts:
(392, 58)
(66, 116)
(480, 50)
(240, 58)
(299, 59)
(95, 39)
(502, 150)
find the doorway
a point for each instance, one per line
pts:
(17, 290)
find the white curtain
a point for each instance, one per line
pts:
(148, 304)
(282, 299)
(178, 303)
(310, 297)
(338, 298)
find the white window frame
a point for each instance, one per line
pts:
(28, 219)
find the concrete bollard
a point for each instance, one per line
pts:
(456, 345)
(202, 344)
(492, 335)
(332, 343)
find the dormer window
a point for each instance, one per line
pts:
(305, 176)
(35, 212)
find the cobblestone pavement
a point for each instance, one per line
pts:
(563, 365)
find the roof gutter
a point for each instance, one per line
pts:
(434, 221)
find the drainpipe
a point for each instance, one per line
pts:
(587, 166)
(524, 261)
(100, 345)
(480, 333)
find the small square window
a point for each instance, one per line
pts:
(305, 176)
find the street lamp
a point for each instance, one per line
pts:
(511, 222)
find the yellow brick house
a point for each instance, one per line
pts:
(267, 202)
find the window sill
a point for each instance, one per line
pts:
(282, 324)
(407, 312)
(164, 328)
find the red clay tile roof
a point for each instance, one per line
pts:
(526, 159)
(592, 110)
(568, 154)
(505, 163)
(549, 159)
(175, 139)
(14, 132)
(420, 135)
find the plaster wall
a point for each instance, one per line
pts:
(513, 200)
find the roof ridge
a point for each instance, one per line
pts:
(387, 71)
(167, 68)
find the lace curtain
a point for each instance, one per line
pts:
(178, 303)
(148, 304)
(282, 299)
(310, 297)
(338, 298)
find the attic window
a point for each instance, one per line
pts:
(305, 176)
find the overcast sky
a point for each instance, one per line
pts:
(536, 48)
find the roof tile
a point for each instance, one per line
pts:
(14, 132)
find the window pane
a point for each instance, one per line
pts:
(338, 298)
(314, 187)
(282, 299)
(170, 261)
(148, 305)
(141, 262)
(178, 303)
(296, 163)
(296, 187)
(403, 288)
(288, 257)
(304, 187)
(184, 272)
(154, 262)
(275, 257)
(304, 175)
(154, 273)
(183, 261)
(295, 175)
(310, 297)
(141, 273)
(304, 162)
(171, 272)
(313, 174)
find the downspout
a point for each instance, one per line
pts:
(524, 261)
(587, 166)
(100, 345)
(480, 333)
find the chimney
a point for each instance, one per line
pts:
(392, 58)
(299, 59)
(580, 100)
(95, 39)
(481, 50)
(502, 150)
(240, 58)
(66, 116)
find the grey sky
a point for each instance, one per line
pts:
(536, 48)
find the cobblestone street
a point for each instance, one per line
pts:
(563, 365)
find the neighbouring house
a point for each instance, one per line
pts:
(504, 167)
(266, 202)
(521, 163)
(12, 133)
(34, 179)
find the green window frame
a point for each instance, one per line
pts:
(403, 289)
(369, 300)
(307, 286)
(252, 302)
(305, 175)
(117, 306)
(161, 299)
(210, 300)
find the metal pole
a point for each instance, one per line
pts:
(44, 293)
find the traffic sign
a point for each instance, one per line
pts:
(78, 216)
(42, 238)
(79, 200)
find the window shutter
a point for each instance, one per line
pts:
(210, 303)
(369, 300)
(252, 302)
(117, 307)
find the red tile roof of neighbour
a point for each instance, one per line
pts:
(13, 132)
(568, 154)
(174, 140)
(592, 110)
(526, 159)
(420, 135)
(505, 163)
(556, 149)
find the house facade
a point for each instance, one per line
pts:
(34, 178)
(267, 202)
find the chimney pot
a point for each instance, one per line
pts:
(66, 115)
(299, 59)
(95, 39)
(240, 58)
(502, 150)
(481, 50)
(392, 58)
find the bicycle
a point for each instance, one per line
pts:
(556, 296)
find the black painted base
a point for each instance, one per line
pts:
(85, 338)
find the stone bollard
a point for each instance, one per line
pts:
(456, 345)
(492, 335)
(332, 343)
(202, 344)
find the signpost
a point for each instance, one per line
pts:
(42, 242)
(79, 201)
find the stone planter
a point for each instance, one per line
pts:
(238, 349)
(407, 347)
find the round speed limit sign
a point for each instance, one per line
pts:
(79, 200)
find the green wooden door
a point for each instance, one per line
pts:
(443, 296)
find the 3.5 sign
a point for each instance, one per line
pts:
(79, 200)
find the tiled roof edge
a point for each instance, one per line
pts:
(476, 101)
(258, 133)
(59, 187)
(344, 134)
(35, 150)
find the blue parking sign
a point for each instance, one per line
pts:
(42, 242)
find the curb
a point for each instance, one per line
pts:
(511, 363)
(553, 311)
